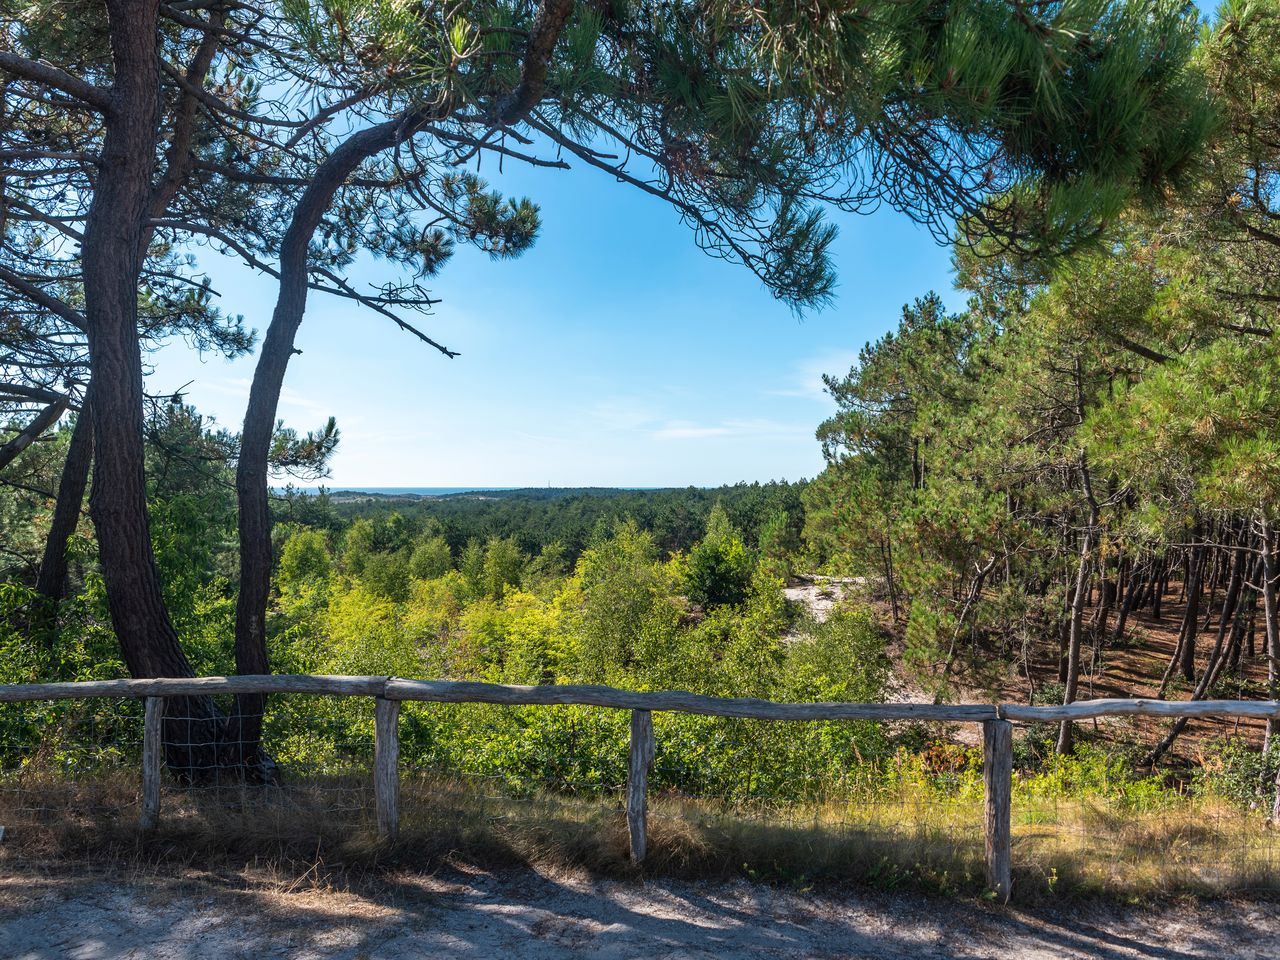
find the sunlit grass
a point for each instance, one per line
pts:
(910, 837)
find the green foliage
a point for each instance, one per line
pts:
(502, 568)
(431, 558)
(537, 518)
(1235, 769)
(629, 616)
(304, 559)
(1073, 416)
(718, 571)
(620, 617)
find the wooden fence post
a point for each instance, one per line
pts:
(638, 780)
(152, 762)
(386, 766)
(997, 774)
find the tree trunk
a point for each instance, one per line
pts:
(889, 579)
(1213, 668)
(52, 580)
(1137, 582)
(1271, 628)
(1076, 622)
(1191, 616)
(112, 261)
(1108, 591)
(1075, 627)
(260, 416)
(277, 345)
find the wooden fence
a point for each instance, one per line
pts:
(389, 692)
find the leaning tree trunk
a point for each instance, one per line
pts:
(277, 345)
(1134, 588)
(51, 582)
(1075, 628)
(260, 420)
(112, 262)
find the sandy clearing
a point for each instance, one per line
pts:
(528, 915)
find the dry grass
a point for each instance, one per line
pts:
(321, 833)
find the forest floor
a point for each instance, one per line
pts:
(540, 916)
(1130, 668)
(1134, 668)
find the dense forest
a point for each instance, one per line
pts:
(1079, 469)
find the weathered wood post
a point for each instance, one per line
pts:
(386, 766)
(152, 762)
(638, 782)
(997, 774)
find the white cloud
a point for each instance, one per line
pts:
(297, 401)
(805, 380)
(688, 430)
(289, 397)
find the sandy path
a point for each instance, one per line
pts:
(525, 915)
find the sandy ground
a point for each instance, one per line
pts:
(819, 597)
(527, 915)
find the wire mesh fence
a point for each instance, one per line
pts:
(75, 764)
(895, 800)
(1098, 820)
(69, 765)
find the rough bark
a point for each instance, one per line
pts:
(112, 262)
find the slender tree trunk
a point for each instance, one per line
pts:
(1217, 660)
(1253, 625)
(1075, 627)
(1107, 601)
(1159, 587)
(1136, 585)
(1269, 614)
(264, 397)
(277, 345)
(1214, 583)
(1191, 616)
(1076, 622)
(886, 553)
(259, 425)
(52, 580)
(1064, 637)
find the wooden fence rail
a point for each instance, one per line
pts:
(389, 692)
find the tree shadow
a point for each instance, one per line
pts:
(458, 914)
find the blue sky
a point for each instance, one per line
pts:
(614, 353)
